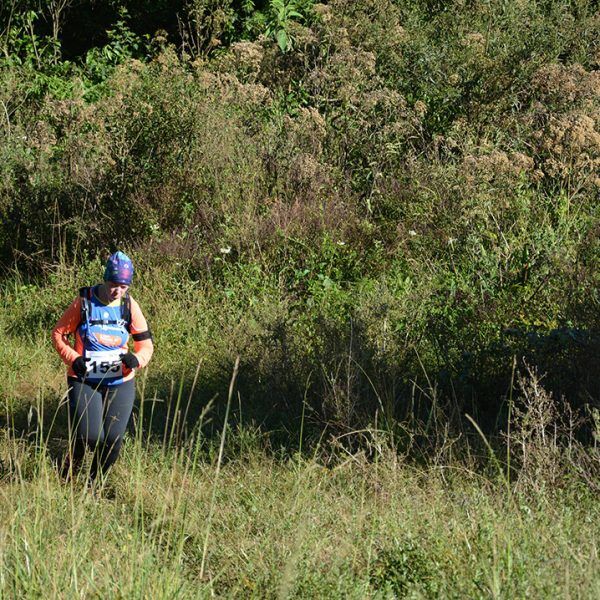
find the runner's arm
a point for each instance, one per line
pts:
(66, 326)
(142, 338)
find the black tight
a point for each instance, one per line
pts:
(98, 418)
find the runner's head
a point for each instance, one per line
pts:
(119, 269)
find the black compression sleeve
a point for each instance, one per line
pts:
(140, 337)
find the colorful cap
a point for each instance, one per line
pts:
(119, 269)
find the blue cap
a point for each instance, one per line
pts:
(119, 269)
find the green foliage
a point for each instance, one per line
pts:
(275, 20)
(280, 14)
(34, 56)
(123, 44)
(209, 24)
(405, 570)
(378, 202)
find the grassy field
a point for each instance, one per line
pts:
(193, 509)
(232, 516)
(389, 211)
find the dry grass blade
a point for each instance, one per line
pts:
(218, 469)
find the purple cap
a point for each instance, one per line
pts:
(119, 269)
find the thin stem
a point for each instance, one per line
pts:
(218, 470)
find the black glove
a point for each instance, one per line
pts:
(130, 360)
(79, 366)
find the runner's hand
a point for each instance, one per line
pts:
(130, 360)
(79, 366)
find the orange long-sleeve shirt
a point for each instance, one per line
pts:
(68, 326)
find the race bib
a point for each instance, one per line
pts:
(101, 364)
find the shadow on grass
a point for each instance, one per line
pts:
(296, 402)
(299, 400)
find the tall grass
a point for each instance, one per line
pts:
(393, 224)
(199, 516)
(407, 190)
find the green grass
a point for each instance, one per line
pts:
(394, 225)
(370, 515)
(178, 522)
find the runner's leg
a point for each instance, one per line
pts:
(117, 410)
(85, 419)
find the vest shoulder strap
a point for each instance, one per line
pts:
(126, 311)
(85, 293)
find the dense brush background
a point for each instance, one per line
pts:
(389, 210)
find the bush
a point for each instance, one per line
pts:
(379, 204)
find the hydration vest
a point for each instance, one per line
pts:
(85, 293)
(104, 337)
